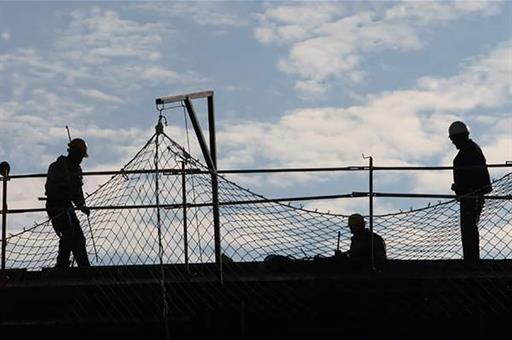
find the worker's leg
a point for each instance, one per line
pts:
(65, 244)
(78, 243)
(469, 215)
(60, 223)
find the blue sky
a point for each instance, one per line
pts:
(297, 84)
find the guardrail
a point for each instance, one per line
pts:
(370, 168)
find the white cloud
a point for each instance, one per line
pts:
(348, 206)
(207, 13)
(327, 43)
(58, 86)
(427, 12)
(96, 36)
(101, 96)
(291, 23)
(402, 127)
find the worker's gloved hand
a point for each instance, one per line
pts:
(454, 188)
(85, 210)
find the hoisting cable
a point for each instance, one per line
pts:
(165, 307)
(194, 193)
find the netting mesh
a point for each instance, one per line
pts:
(249, 232)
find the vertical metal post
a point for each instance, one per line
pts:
(370, 171)
(185, 224)
(165, 307)
(4, 171)
(215, 187)
(4, 217)
(211, 130)
(211, 160)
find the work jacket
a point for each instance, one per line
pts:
(474, 180)
(64, 183)
(361, 247)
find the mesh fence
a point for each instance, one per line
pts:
(249, 232)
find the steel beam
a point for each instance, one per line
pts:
(199, 134)
(4, 172)
(213, 171)
(182, 97)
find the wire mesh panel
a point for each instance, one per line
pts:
(249, 232)
(119, 233)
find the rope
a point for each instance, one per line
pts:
(192, 182)
(165, 307)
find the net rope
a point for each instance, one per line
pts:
(249, 232)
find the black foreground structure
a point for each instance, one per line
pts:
(180, 251)
(317, 299)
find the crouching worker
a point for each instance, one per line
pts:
(360, 252)
(63, 188)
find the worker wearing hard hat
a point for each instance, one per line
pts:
(63, 189)
(470, 178)
(361, 243)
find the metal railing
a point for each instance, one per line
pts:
(371, 194)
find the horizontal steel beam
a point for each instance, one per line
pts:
(119, 172)
(192, 205)
(388, 168)
(272, 170)
(354, 194)
(182, 97)
(402, 195)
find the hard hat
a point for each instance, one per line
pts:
(457, 128)
(5, 168)
(78, 144)
(356, 220)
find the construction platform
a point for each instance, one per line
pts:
(314, 299)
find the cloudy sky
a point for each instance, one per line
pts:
(297, 84)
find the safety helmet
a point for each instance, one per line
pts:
(457, 128)
(356, 220)
(5, 168)
(78, 145)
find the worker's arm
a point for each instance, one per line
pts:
(77, 194)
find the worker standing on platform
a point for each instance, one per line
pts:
(63, 188)
(473, 182)
(361, 243)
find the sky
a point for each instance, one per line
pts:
(297, 84)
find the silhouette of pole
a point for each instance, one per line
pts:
(165, 308)
(212, 167)
(4, 170)
(215, 186)
(177, 172)
(370, 190)
(184, 199)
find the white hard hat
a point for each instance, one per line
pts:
(457, 128)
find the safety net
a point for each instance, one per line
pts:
(134, 224)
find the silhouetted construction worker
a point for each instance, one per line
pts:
(361, 243)
(63, 188)
(474, 182)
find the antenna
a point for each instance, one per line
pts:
(69, 134)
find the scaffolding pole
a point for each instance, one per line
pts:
(4, 171)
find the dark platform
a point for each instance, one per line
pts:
(316, 299)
